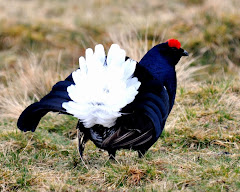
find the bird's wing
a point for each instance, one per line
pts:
(133, 131)
(31, 116)
(143, 126)
(142, 121)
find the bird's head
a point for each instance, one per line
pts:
(172, 51)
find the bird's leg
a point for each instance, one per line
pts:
(141, 153)
(81, 143)
(82, 139)
(112, 154)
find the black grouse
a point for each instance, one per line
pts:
(120, 104)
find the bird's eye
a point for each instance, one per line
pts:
(174, 49)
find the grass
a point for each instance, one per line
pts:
(40, 43)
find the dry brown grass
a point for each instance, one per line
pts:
(40, 42)
(28, 81)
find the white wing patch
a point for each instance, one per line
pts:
(103, 86)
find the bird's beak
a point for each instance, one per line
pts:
(185, 53)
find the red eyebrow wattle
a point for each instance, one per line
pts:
(174, 43)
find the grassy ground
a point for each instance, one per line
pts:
(40, 42)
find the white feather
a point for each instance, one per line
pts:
(103, 86)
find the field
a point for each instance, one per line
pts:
(40, 43)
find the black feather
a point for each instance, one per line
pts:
(143, 120)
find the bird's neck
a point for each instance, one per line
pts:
(158, 66)
(162, 71)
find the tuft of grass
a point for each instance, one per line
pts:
(27, 82)
(40, 43)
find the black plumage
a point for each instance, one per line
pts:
(144, 118)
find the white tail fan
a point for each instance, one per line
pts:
(103, 86)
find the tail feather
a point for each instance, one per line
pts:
(30, 117)
(95, 93)
(103, 87)
(100, 53)
(116, 56)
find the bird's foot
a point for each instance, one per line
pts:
(141, 153)
(112, 154)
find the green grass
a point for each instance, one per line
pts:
(199, 148)
(199, 153)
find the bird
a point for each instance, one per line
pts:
(120, 103)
